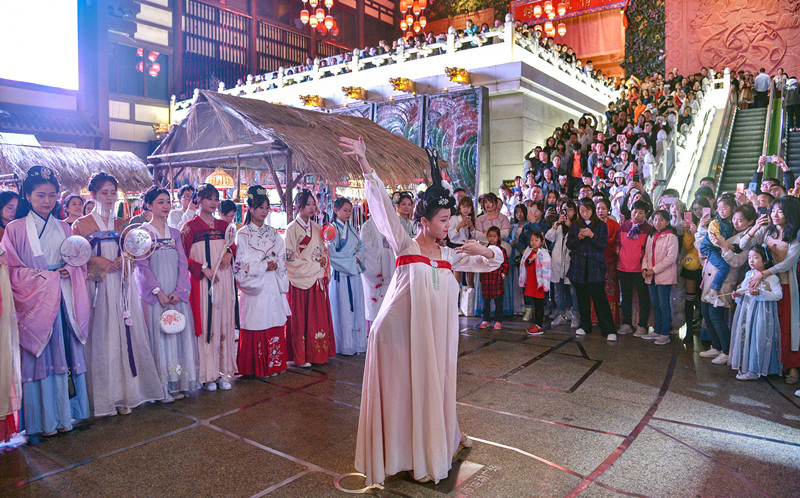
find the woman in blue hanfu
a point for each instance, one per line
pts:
(52, 310)
(346, 290)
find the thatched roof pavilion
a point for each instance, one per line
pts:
(73, 167)
(241, 134)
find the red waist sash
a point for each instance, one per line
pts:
(416, 258)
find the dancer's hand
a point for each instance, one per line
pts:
(755, 280)
(226, 261)
(475, 248)
(63, 272)
(358, 149)
(174, 299)
(272, 266)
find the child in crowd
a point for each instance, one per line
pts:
(492, 284)
(721, 226)
(630, 243)
(534, 279)
(660, 273)
(755, 336)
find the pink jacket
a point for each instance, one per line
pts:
(666, 257)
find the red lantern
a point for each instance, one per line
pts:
(562, 8)
(156, 67)
(320, 15)
(562, 29)
(537, 11)
(304, 14)
(403, 24)
(153, 72)
(152, 56)
(322, 29)
(329, 3)
(415, 8)
(140, 52)
(423, 4)
(551, 15)
(423, 22)
(538, 28)
(548, 6)
(409, 19)
(312, 21)
(140, 66)
(329, 21)
(417, 27)
(403, 6)
(548, 29)
(313, 3)
(335, 29)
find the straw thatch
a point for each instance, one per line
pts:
(73, 167)
(225, 125)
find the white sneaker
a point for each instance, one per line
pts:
(210, 386)
(711, 353)
(711, 296)
(611, 337)
(580, 332)
(575, 323)
(797, 393)
(747, 376)
(720, 360)
(651, 336)
(223, 384)
(625, 329)
(662, 339)
(559, 320)
(528, 316)
(640, 332)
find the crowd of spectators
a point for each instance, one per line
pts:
(423, 45)
(723, 269)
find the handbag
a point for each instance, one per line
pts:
(467, 301)
(172, 321)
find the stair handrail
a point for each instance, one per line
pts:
(784, 134)
(768, 169)
(723, 140)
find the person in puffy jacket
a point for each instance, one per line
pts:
(660, 273)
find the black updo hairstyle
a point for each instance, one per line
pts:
(340, 202)
(256, 197)
(436, 197)
(226, 206)
(301, 199)
(37, 175)
(206, 191)
(97, 180)
(152, 194)
(6, 197)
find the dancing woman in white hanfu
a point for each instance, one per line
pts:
(408, 400)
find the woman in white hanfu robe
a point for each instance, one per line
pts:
(378, 269)
(408, 400)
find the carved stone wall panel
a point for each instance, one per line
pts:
(740, 34)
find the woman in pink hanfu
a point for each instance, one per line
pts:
(52, 310)
(408, 399)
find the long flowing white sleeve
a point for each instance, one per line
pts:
(386, 219)
(475, 264)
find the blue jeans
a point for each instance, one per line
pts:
(717, 323)
(566, 297)
(659, 297)
(722, 266)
